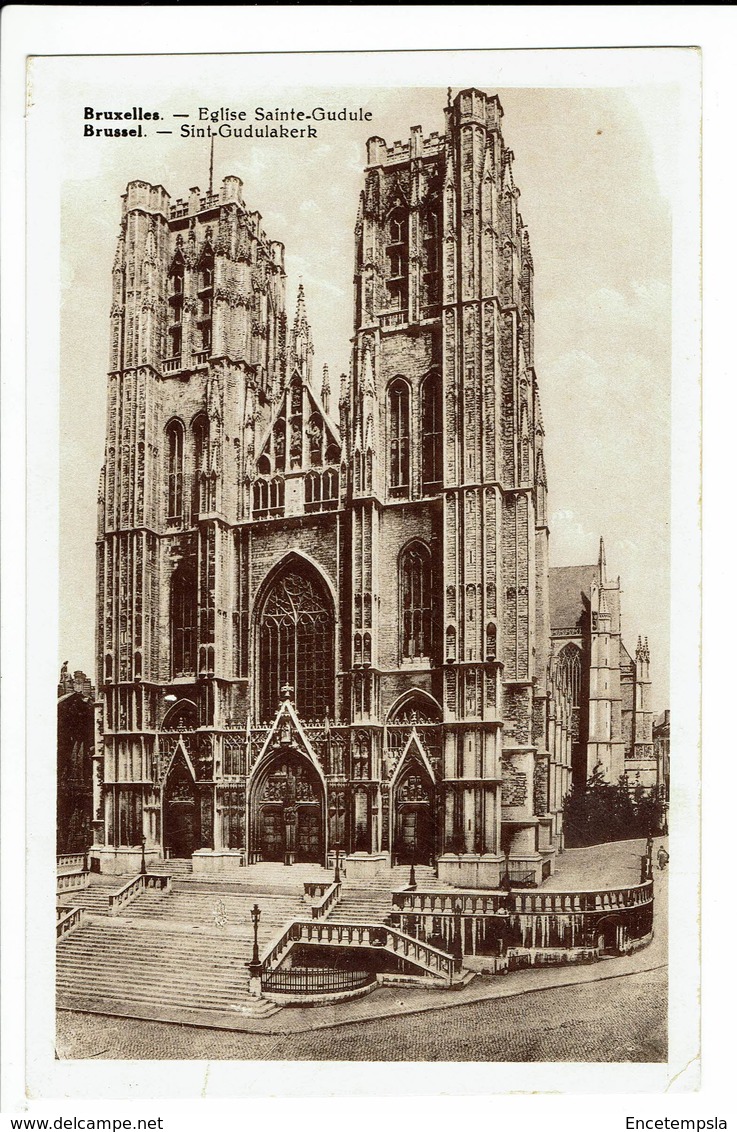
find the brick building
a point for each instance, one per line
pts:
(320, 630)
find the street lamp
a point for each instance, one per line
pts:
(412, 877)
(255, 965)
(143, 856)
(336, 876)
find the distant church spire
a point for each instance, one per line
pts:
(325, 391)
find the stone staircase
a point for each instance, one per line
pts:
(371, 901)
(217, 911)
(176, 866)
(94, 898)
(154, 972)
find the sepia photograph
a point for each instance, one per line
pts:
(365, 422)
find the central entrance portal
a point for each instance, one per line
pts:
(288, 811)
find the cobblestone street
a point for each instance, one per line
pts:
(619, 1019)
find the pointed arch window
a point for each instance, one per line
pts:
(296, 646)
(396, 258)
(432, 434)
(205, 294)
(431, 258)
(399, 435)
(200, 485)
(183, 616)
(415, 589)
(175, 455)
(569, 671)
(268, 498)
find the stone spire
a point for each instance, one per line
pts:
(325, 391)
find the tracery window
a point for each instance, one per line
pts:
(200, 485)
(183, 617)
(176, 299)
(415, 588)
(268, 498)
(206, 280)
(321, 490)
(175, 450)
(399, 433)
(396, 258)
(431, 258)
(432, 433)
(569, 670)
(296, 643)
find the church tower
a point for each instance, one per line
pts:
(197, 356)
(448, 508)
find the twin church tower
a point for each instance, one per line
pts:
(323, 614)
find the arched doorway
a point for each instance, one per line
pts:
(181, 811)
(288, 811)
(608, 935)
(413, 817)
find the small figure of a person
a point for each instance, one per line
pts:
(663, 857)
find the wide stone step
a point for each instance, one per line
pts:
(141, 966)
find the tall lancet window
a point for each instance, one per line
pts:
(569, 669)
(175, 453)
(432, 434)
(205, 296)
(396, 259)
(415, 592)
(296, 643)
(183, 616)
(399, 437)
(201, 483)
(431, 258)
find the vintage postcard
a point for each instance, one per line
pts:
(368, 381)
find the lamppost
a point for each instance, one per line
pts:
(336, 875)
(143, 856)
(255, 964)
(412, 877)
(457, 949)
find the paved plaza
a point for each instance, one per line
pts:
(618, 1020)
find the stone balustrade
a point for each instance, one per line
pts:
(326, 901)
(66, 920)
(72, 861)
(488, 923)
(67, 881)
(133, 888)
(407, 948)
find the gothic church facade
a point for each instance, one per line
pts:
(326, 633)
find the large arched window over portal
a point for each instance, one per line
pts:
(175, 453)
(183, 621)
(399, 437)
(415, 593)
(296, 645)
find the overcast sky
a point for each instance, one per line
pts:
(594, 169)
